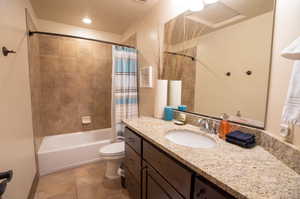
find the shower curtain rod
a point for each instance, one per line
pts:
(180, 54)
(31, 33)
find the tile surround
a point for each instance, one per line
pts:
(75, 81)
(35, 82)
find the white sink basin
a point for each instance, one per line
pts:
(190, 139)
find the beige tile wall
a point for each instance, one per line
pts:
(184, 69)
(76, 81)
(131, 41)
(35, 81)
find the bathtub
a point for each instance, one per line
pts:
(61, 152)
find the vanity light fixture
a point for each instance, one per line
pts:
(196, 5)
(87, 20)
(210, 1)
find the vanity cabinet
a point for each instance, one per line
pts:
(133, 164)
(204, 189)
(133, 185)
(176, 175)
(133, 140)
(152, 174)
(155, 186)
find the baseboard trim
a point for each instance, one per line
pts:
(33, 186)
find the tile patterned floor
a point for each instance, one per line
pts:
(85, 182)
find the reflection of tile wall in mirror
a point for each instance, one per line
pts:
(182, 68)
(230, 36)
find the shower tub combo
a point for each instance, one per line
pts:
(65, 151)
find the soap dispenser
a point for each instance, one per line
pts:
(224, 126)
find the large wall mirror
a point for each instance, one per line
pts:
(222, 56)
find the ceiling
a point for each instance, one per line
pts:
(214, 17)
(229, 12)
(108, 15)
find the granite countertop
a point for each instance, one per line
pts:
(244, 173)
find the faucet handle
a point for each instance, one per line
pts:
(216, 125)
(203, 123)
(200, 121)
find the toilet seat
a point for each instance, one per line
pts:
(114, 149)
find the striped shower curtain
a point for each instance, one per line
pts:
(125, 93)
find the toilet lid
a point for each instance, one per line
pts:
(113, 149)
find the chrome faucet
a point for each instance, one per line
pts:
(207, 125)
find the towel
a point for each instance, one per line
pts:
(241, 137)
(242, 144)
(291, 109)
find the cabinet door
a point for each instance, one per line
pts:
(172, 171)
(133, 162)
(155, 187)
(155, 191)
(133, 140)
(132, 185)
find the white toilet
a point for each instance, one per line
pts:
(113, 154)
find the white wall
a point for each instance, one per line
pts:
(16, 141)
(236, 49)
(54, 27)
(287, 29)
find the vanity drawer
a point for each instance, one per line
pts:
(133, 140)
(133, 162)
(206, 190)
(133, 187)
(176, 175)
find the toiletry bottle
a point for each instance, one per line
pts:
(224, 126)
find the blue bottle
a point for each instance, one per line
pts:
(182, 107)
(168, 113)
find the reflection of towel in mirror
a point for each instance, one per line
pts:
(291, 110)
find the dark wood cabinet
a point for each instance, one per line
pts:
(132, 185)
(206, 190)
(133, 140)
(133, 162)
(178, 176)
(153, 174)
(155, 186)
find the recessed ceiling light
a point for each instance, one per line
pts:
(210, 1)
(87, 20)
(195, 5)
